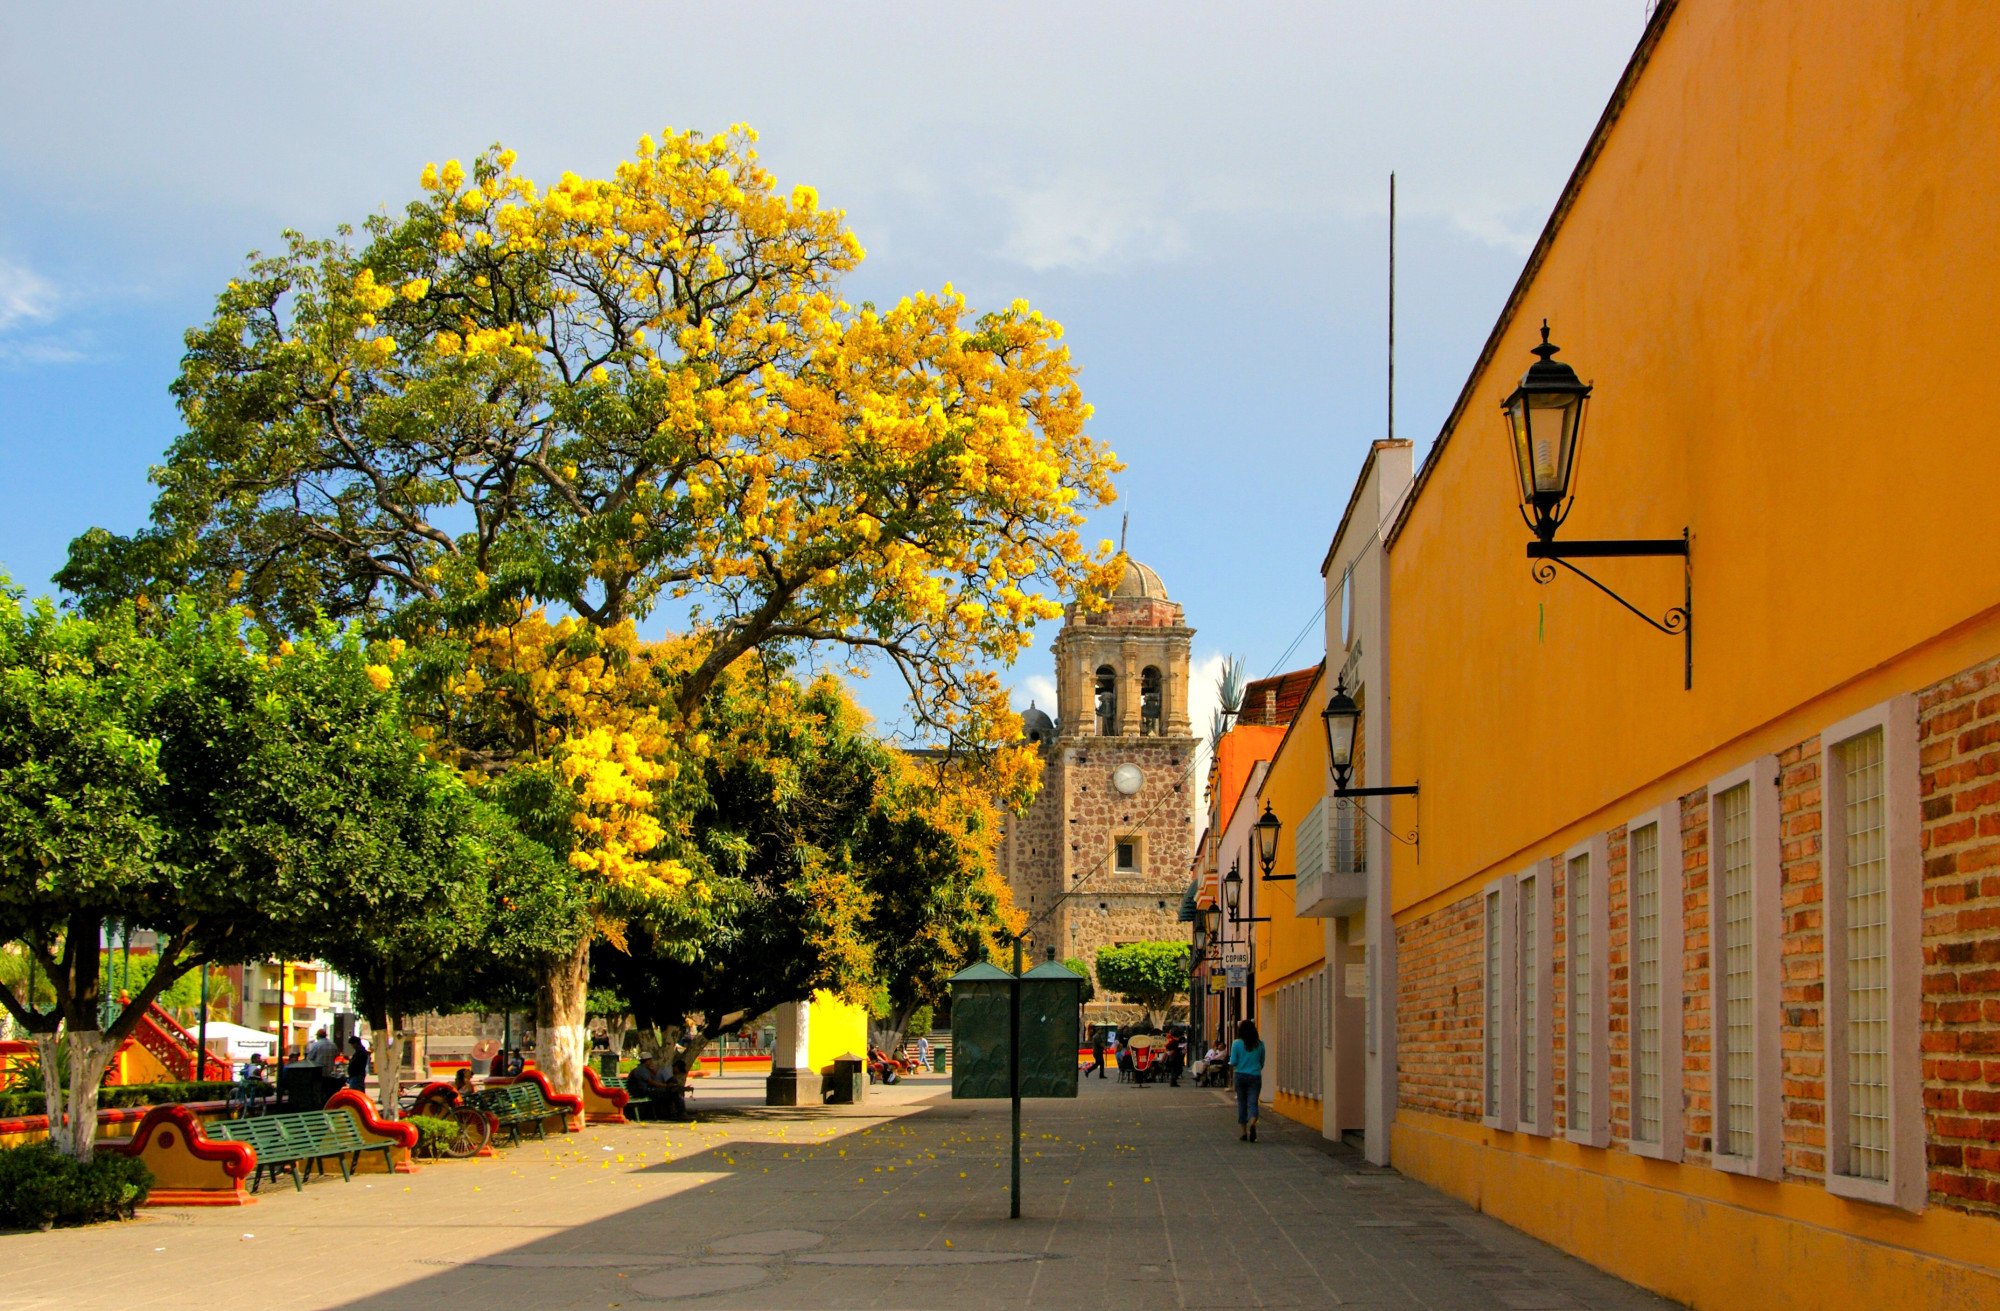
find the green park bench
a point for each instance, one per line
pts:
(514, 1106)
(285, 1142)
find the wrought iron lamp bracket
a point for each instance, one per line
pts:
(1676, 622)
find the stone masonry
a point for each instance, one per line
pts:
(1121, 674)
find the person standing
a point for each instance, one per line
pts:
(321, 1054)
(1175, 1053)
(924, 1051)
(357, 1064)
(1096, 1053)
(1246, 1058)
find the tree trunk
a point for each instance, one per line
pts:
(90, 1053)
(389, 1067)
(74, 1134)
(561, 1026)
(379, 1031)
(55, 1090)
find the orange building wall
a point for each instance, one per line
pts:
(1779, 275)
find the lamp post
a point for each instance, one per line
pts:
(1545, 416)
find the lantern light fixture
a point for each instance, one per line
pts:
(1342, 717)
(1232, 896)
(1544, 417)
(1267, 829)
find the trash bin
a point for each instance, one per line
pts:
(607, 1065)
(300, 1087)
(845, 1081)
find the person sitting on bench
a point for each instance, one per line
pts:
(662, 1096)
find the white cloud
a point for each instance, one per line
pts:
(1204, 673)
(38, 350)
(24, 297)
(1074, 226)
(1038, 688)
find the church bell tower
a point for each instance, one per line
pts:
(1102, 856)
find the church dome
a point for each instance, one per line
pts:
(1036, 726)
(1140, 581)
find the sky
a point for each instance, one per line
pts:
(1197, 192)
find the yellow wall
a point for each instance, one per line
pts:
(1289, 946)
(836, 1028)
(1708, 1239)
(1779, 274)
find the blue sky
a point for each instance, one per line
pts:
(1197, 192)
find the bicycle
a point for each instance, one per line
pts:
(475, 1130)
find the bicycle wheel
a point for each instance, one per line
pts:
(474, 1131)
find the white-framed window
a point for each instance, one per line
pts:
(1655, 942)
(1873, 872)
(1743, 968)
(1300, 1035)
(1535, 981)
(1586, 944)
(1497, 997)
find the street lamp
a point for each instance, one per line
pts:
(1340, 717)
(1201, 935)
(1545, 415)
(1232, 897)
(1545, 424)
(1266, 830)
(1214, 918)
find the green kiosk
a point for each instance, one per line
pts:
(1014, 1036)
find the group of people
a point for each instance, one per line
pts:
(652, 1094)
(323, 1052)
(1245, 1065)
(1171, 1056)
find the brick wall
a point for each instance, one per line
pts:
(1618, 983)
(1440, 1010)
(1697, 1039)
(1802, 962)
(1439, 1006)
(1959, 740)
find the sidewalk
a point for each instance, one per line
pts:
(1132, 1197)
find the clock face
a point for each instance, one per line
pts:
(1127, 779)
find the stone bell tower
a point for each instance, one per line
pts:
(1102, 856)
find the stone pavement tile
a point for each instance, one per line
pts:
(1133, 1198)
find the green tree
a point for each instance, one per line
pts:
(265, 802)
(1080, 967)
(1148, 974)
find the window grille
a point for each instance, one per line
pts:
(1646, 1054)
(1736, 1132)
(1867, 905)
(1529, 972)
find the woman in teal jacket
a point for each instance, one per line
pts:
(1246, 1059)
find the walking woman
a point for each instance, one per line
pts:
(1246, 1058)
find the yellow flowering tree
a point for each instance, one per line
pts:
(607, 395)
(561, 721)
(616, 392)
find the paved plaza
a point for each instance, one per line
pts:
(1133, 1197)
